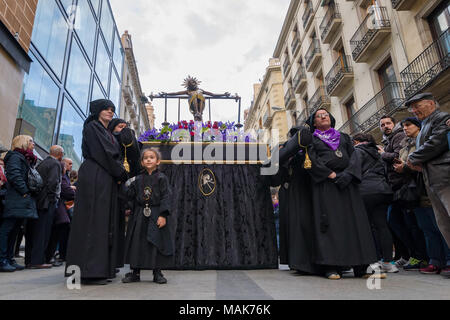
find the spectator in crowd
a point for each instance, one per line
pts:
(342, 230)
(276, 212)
(73, 175)
(19, 203)
(408, 239)
(3, 181)
(437, 249)
(61, 227)
(38, 232)
(377, 196)
(432, 156)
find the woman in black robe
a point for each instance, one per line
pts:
(296, 219)
(94, 232)
(129, 156)
(342, 231)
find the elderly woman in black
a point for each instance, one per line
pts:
(93, 245)
(342, 232)
(19, 203)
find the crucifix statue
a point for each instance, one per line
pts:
(196, 96)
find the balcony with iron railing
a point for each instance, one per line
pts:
(330, 23)
(313, 55)
(289, 99)
(286, 67)
(267, 119)
(307, 15)
(128, 95)
(299, 82)
(388, 101)
(339, 77)
(295, 46)
(370, 34)
(429, 67)
(320, 99)
(402, 5)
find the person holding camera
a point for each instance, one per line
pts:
(19, 203)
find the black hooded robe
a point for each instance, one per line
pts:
(342, 231)
(147, 247)
(296, 218)
(130, 148)
(94, 232)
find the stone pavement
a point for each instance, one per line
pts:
(223, 285)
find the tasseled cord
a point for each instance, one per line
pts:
(307, 164)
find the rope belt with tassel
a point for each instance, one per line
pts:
(307, 164)
(126, 165)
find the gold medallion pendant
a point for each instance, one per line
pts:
(207, 182)
(339, 153)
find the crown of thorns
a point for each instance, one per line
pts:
(191, 82)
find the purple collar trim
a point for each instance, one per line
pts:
(331, 137)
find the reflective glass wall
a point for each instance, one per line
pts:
(77, 57)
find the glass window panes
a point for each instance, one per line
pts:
(96, 92)
(50, 34)
(67, 5)
(71, 134)
(85, 27)
(95, 5)
(102, 64)
(78, 76)
(118, 55)
(106, 23)
(38, 106)
(114, 95)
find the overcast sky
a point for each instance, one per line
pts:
(224, 43)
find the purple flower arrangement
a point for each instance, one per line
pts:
(197, 131)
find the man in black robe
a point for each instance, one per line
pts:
(93, 239)
(342, 232)
(296, 219)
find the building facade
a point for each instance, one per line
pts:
(361, 59)
(77, 57)
(134, 109)
(268, 111)
(16, 25)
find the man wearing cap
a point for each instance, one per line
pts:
(92, 245)
(432, 156)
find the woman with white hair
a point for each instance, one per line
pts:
(19, 203)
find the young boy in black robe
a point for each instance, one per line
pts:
(148, 244)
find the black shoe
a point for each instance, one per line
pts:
(131, 277)
(94, 282)
(14, 264)
(159, 278)
(6, 267)
(57, 263)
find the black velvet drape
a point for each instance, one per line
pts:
(233, 228)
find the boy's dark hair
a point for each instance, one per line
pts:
(154, 150)
(364, 137)
(388, 117)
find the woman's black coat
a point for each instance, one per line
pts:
(18, 201)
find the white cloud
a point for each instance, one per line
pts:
(224, 43)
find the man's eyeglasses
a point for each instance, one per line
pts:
(322, 116)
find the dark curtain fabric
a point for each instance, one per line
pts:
(233, 228)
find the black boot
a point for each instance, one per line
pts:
(158, 277)
(6, 267)
(132, 277)
(15, 265)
